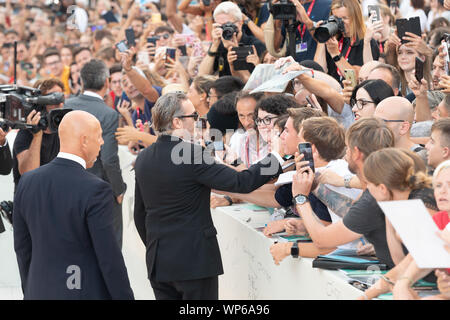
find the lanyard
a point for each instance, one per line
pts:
(381, 47)
(309, 14)
(247, 148)
(341, 44)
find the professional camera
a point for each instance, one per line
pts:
(16, 103)
(334, 26)
(228, 30)
(284, 10)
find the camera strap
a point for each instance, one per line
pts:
(302, 33)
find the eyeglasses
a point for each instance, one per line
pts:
(165, 36)
(385, 120)
(193, 115)
(360, 103)
(53, 63)
(267, 120)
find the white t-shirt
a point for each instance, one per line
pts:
(433, 16)
(422, 16)
(340, 167)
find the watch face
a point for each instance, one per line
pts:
(300, 199)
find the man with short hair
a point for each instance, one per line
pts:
(95, 79)
(54, 65)
(34, 149)
(222, 86)
(398, 113)
(81, 56)
(387, 73)
(63, 227)
(443, 109)
(363, 217)
(438, 147)
(172, 213)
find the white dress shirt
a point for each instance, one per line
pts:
(92, 94)
(72, 157)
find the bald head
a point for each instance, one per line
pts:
(366, 69)
(80, 134)
(395, 108)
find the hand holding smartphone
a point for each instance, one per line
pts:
(419, 69)
(306, 150)
(129, 33)
(121, 46)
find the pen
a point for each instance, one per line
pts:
(362, 240)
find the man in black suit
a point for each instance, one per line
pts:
(5, 155)
(172, 213)
(63, 226)
(95, 79)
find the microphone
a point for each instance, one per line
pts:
(50, 99)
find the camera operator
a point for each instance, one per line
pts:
(5, 154)
(227, 21)
(32, 150)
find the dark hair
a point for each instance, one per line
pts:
(51, 52)
(440, 22)
(280, 122)
(106, 53)
(222, 115)
(100, 34)
(162, 29)
(227, 84)
(11, 31)
(117, 67)
(94, 75)
(277, 104)
(378, 90)
(437, 35)
(78, 50)
(418, 4)
(247, 95)
(443, 125)
(311, 64)
(46, 84)
(396, 79)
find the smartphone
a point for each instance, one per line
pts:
(306, 149)
(446, 44)
(350, 75)
(402, 27)
(183, 50)
(121, 46)
(242, 53)
(152, 40)
(419, 69)
(414, 26)
(170, 52)
(129, 33)
(375, 11)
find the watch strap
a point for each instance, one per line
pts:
(294, 250)
(336, 58)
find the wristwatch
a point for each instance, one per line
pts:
(336, 58)
(300, 199)
(314, 26)
(212, 54)
(246, 21)
(347, 179)
(294, 250)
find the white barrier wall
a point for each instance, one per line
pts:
(249, 269)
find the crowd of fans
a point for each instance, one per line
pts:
(379, 138)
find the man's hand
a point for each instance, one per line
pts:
(419, 89)
(231, 57)
(273, 227)
(127, 57)
(33, 118)
(347, 91)
(280, 251)
(217, 201)
(373, 30)
(253, 58)
(365, 249)
(2, 137)
(124, 107)
(127, 134)
(294, 226)
(332, 46)
(119, 199)
(417, 43)
(303, 178)
(443, 282)
(445, 84)
(216, 35)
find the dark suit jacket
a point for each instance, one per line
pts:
(5, 160)
(172, 206)
(107, 166)
(62, 218)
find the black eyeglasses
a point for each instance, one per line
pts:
(194, 115)
(267, 120)
(360, 103)
(385, 120)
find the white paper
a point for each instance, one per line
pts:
(418, 232)
(278, 83)
(285, 178)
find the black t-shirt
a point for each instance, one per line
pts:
(283, 195)
(49, 149)
(366, 217)
(221, 61)
(355, 56)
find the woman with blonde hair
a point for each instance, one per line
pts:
(351, 49)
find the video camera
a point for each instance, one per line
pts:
(16, 103)
(284, 10)
(334, 26)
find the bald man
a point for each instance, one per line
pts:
(63, 223)
(398, 113)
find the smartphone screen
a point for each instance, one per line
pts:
(122, 46)
(350, 76)
(374, 11)
(170, 52)
(306, 149)
(129, 33)
(419, 69)
(446, 43)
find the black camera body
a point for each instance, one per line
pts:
(16, 103)
(228, 30)
(334, 26)
(284, 10)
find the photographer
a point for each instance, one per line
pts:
(32, 150)
(5, 154)
(227, 33)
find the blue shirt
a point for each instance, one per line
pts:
(145, 116)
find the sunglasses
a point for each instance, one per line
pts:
(165, 36)
(194, 115)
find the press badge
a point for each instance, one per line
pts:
(301, 47)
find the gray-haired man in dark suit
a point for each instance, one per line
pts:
(95, 80)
